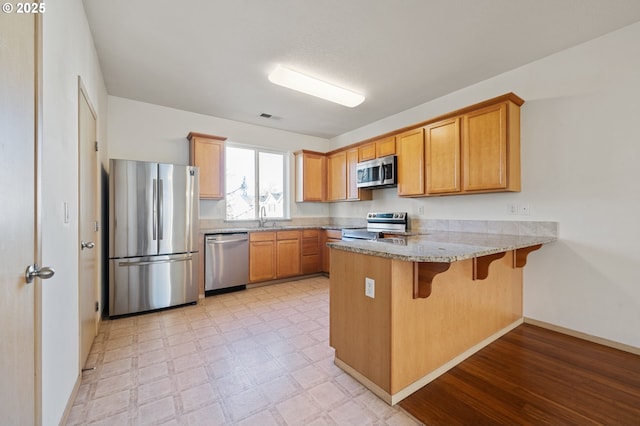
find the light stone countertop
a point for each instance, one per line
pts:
(268, 228)
(441, 246)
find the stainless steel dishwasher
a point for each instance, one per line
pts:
(227, 261)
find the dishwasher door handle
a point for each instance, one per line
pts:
(225, 241)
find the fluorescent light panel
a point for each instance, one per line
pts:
(303, 83)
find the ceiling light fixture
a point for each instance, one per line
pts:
(303, 83)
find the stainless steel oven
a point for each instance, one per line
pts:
(378, 224)
(378, 173)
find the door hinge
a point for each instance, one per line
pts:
(97, 306)
(96, 226)
(96, 146)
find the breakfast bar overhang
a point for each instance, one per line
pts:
(437, 299)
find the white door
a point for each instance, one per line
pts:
(19, 219)
(88, 224)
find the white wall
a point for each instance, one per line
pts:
(68, 51)
(142, 131)
(580, 167)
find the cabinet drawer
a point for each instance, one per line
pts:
(262, 236)
(310, 233)
(288, 235)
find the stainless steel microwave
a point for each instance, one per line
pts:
(378, 173)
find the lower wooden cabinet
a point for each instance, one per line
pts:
(329, 236)
(287, 254)
(311, 253)
(282, 254)
(274, 254)
(262, 256)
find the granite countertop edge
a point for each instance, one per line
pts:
(443, 246)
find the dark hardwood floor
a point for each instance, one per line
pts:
(534, 376)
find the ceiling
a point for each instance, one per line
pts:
(213, 56)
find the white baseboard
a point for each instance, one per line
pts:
(584, 336)
(70, 401)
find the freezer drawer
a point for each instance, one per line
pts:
(153, 282)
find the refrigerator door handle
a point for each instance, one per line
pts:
(155, 207)
(160, 209)
(154, 262)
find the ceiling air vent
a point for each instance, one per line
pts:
(265, 115)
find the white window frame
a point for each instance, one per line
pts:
(286, 206)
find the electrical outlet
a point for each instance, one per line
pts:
(421, 210)
(524, 210)
(370, 287)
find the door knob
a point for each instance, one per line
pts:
(34, 271)
(88, 245)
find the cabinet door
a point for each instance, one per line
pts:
(352, 186)
(367, 152)
(208, 155)
(443, 156)
(262, 260)
(485, 149)
(337, 176)
(311, 257)
(310, 176)
(386, 146)
(328, 236)
(288, 256)
(411, 158)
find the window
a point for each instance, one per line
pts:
(255, 178)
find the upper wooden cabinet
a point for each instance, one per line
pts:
(491, 148)
(311, 172)
(367, 151)
(386, 146)
(376, 149)
(410, 148)
(207, 153)
(443, 156)
(477, 150)
(471, 150)
(341, 177)
(337, 176)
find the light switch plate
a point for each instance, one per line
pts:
(370, 287)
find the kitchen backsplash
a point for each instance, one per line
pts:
(546, 229)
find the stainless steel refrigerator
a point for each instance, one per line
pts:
(153, 228)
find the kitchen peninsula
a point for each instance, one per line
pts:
(405, 310)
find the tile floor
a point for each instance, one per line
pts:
(255, 357)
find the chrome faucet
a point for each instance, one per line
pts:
(263, 215)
